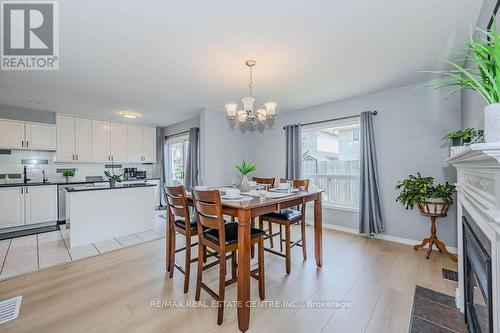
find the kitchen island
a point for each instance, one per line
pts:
(100, 212)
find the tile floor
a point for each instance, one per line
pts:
(31, 253)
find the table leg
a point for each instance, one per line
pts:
(168, 241)
(244, 218)
(318, 231)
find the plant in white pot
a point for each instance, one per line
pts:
(479, 71)
(245, 168)
(421, 191)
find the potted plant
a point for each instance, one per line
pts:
(481, 76)
(459, 137)
(113, 178)
(421, 191)
(245, 168)
(68, 173)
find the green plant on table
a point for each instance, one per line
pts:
(69, 173)
(465, 135)
(417, 188)
(245, 168)
(113, 177)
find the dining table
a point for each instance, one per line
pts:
(244, 212)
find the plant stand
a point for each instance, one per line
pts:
(434, 210)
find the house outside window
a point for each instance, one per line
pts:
(330, 159)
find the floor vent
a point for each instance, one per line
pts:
(450, 275)
(9, 309)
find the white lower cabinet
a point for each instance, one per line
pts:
(11, 207)
(41, 204)
(22, 205)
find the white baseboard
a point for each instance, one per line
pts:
(389, 238)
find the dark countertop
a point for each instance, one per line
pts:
(107, 187)
(16, 183)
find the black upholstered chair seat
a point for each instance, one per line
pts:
(231, 233)
(287, 214)
(180, 221)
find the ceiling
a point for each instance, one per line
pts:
(169, 59)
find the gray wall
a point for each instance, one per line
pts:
(471, 103)
(408, 131)
(25, 114)
(181, 127)
(222, 146)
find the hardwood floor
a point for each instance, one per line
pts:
(113, 292)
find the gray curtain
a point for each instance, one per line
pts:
(293, 151)
(161, 152)
(191, 172)
(370, 210)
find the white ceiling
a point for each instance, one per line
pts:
(168, 59)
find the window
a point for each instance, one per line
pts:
(175, 159)
(330, 159)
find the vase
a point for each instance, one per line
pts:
(67, 179)
(244, 184)
(112, 183)
(492, 123)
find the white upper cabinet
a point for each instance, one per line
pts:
(11, 206)
(118, 142)
(65, 150)
(41, 204)
(12, 134)
(134, 144)
(83, 140)
(101, 150)
(149, 144)
(92, 140)
(40, 136)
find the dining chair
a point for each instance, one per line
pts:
(269, 231)
(184, 223)
(286, 218)
(222, 237)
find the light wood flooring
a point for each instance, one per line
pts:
(113, 292)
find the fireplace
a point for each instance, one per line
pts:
(478, 298)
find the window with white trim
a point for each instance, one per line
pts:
(330, 159)
(175, 159)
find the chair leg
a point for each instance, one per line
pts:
(234, 267)
(303, 237)
(281, 238)
(262, 283)
(187, 267)
(204, 254)
(222, 287)
(172, 255)
(271, 240)
(201, 250)
(287, 248)
(252, 247)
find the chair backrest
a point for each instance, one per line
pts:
(264, 181)
(177, 201)
(297, 183)
(209, 212)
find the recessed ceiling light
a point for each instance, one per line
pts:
(35, 101)
(129, 115)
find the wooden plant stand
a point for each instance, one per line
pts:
(434, 210)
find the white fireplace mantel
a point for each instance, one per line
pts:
(478, 192)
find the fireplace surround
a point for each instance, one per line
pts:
(478, 234)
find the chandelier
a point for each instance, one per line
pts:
(249, 114)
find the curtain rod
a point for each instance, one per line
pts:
(332, 119)
(177, 134)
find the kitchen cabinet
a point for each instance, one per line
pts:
(11, 206)
(101, 150)
(74, 139)
(21, 205)
(148, 144)
(83, 139)
(118, 142)
(40, 204)
(134, 144)
(12, 134)
(40, 136)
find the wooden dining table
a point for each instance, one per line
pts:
(245, 212)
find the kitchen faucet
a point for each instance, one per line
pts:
(25, 173)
